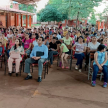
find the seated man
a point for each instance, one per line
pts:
(38, 55)
(52, 50)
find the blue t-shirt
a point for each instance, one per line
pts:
(100, 58)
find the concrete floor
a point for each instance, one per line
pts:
(60, 89)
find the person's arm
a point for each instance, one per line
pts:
(105, 59)
(22, 51)
(73, 47)
(32, 53)
(45, 53)
(95, 59)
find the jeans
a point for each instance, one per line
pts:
(50, 55)
(8, 52)
(79, 59)
(30, 61)
(96, 70)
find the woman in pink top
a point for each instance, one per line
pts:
(27, 44)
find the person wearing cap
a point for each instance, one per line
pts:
(79, 52)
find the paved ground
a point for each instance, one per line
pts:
(60, 89)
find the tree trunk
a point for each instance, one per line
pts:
(77, 20)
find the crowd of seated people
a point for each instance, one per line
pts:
(42, 43)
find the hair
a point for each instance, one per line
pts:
(0, 42)
(54, 38)
(42, 38)
(58, 42)
(12, 31)
(101, 47)
(20, 43)
(37, 36)
(80, 37)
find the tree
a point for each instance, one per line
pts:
(50, 13)
(92, 19)
(103, 15)
(76, 9)
(29, 8)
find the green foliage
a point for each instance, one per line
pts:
(102, 15)
(29, 8)
(50, 13)
(75, 8)
(92, 19)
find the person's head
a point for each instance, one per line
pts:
(105, 41)
(18, 42)
(27, 36)
(94, 39)
(55, 34)
(11, 31)
(14, 37)
(58, 43)
(51, 37)
(80, 39)
(101, 48)
(0, 44)
(40, 40)
(36, 37)
(67, 35)
(33, 35)
(54, 40)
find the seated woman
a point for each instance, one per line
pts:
(92, 47)
(79, 52)
(100, 59)
(27, 45)
(17, 48)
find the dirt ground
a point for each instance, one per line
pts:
(62, 88)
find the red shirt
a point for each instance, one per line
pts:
(32, 40)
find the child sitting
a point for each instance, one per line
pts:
(64, 53)
(100, 63)
(1, 48)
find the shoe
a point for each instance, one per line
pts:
(79, 70)
(28, 77)
(51, 66)
(105, 85)
(76, 67)
(67, 67)
(62, 67)
(16, 74)
(93, 83)
(39, 79)
(10, 74)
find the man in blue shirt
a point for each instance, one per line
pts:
(38, 55)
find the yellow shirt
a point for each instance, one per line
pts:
(78, 34)
(65, 32)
